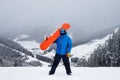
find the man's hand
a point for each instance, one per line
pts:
(68, 55)
(46, 38)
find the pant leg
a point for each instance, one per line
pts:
(55, 63)
(66, 64)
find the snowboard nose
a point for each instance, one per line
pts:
(66, 26)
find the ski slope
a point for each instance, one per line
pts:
(41, 73)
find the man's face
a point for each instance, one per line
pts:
(62, 31)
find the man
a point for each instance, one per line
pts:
(64, 46)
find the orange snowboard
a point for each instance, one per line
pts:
(47, 42)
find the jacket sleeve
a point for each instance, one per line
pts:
(69, 45)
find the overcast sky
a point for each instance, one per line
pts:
(29, 14)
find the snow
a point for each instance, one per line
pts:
(41, 73)
(13, 49)
(34, 59)
(85, 50)
(29, 57)
(31, 46)
(116, 30)
(23, 36)
(50, 54)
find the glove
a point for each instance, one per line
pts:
(46, 38)
(68, 55)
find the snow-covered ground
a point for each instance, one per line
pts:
(29, 57)
(41, 73)
(86, 49)
(31, 46)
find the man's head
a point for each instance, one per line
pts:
(62, 31)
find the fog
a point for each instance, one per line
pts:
(19, 15)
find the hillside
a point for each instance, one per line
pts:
(107, 54)
(12, 54)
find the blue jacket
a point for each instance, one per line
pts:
(64, 45)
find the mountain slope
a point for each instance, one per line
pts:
(107, 54)
(86, 49)
(33, 47)
(12, 54)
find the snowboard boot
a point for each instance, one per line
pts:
(51, 73)
(69, 74)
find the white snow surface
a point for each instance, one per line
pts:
(41, 73)
(86, 49)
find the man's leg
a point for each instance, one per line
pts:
(55, 64)
(66, 64)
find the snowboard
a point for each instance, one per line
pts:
(51, 39)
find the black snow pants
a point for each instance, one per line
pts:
(56, 62)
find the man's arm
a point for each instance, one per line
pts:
(69, 45)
